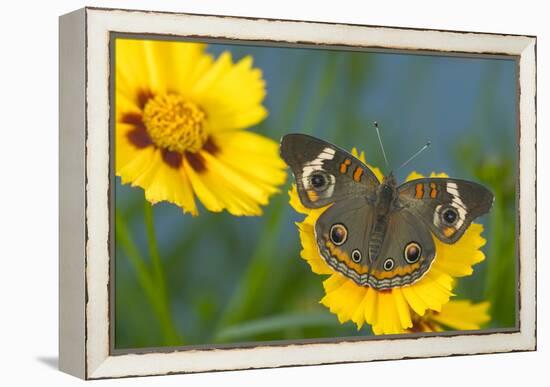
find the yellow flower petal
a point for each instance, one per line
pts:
(218, 169)
(341, 288)
(173, 66)
(127, 153)
(241, 194)
(334, 282)
(231, 94)
(355, 153)
(243, 191)
(310, 251)
(388, 321)
(390, 313)
(413, 176)
(463, 315)
(144, 168)
(295, 201)
(131, 162)
(457, 259)
(431, 292)
(140, 162)
(206, 195)
(237, 200)
(253, 156)
(126, 102)
(148, 174)
(354, 298)
(402, 307)
(359, 315)
(414, 300)
(171, 184)
(132, 72)
(371, 304)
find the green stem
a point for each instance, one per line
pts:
(152, 279)
(170, 332)
(156, 261)
(131, 251)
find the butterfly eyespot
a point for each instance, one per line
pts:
(356, 256)
(412, 252)
(319, 180)
(449, 216)
(389, 264)
(338, 234)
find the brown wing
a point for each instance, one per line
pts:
(325, 173)
(446, 206)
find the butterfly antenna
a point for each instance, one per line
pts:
(416, 154)
(381, 145)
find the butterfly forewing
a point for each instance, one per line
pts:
(446, 206)
(325, 173)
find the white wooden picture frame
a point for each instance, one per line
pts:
(85, 175)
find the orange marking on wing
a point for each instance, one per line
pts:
(419, 191)
(433, 191)
(401, 271)
(357, 174)
(449, 231)
(344, 166)
(312, 195)
(344, 257)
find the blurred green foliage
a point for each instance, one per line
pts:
(217, 278)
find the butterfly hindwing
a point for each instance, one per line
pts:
(446, 206)
(325, 173)
(406, 253)
(341, 233)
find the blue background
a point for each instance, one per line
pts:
(242, 279)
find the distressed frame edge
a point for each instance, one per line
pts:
(527, 143)
(103, 365)
(320, 22)
(72, 228)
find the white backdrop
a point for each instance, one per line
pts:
(28, 190)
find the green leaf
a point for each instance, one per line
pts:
(276, 323)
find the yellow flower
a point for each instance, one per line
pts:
(455, 315)
(390, 311)
(180, 116)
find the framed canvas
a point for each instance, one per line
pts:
(242, 193)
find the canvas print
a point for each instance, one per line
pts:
(268, 194)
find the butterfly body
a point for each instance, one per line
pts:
(383, 206)
(378, 233)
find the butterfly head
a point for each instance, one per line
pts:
(389, 184)
(389, 180)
